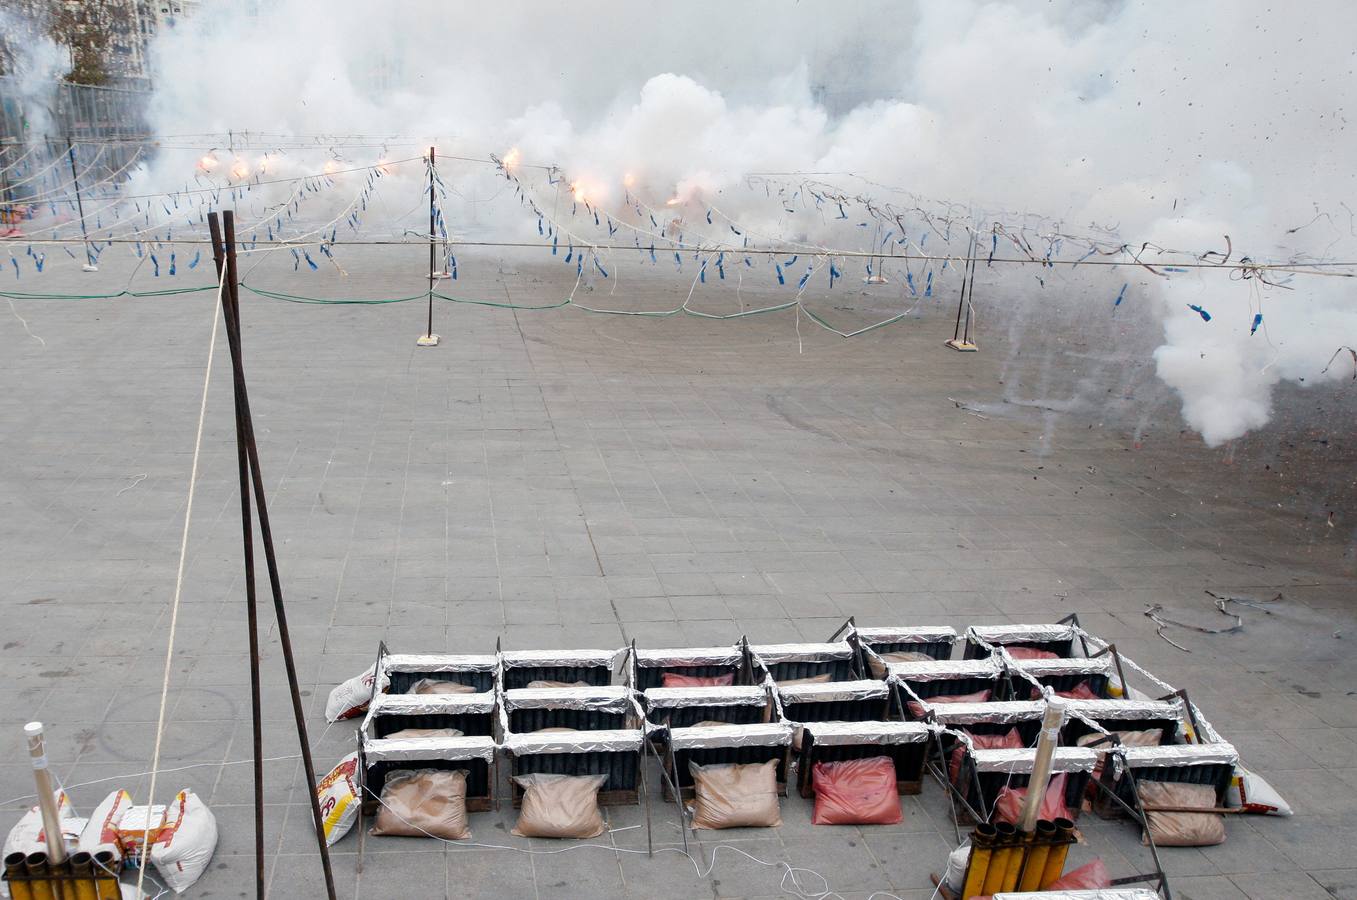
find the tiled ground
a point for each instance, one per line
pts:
(555, 479)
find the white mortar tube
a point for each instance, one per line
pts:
(51, 821)
(1051, 722)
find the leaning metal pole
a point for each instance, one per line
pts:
(80, 205)
(227, 263)
(231, 296)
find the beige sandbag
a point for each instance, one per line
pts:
(559, 684)
(1181, 829)
(424, 803)
(877, 661)
(1152, 737)
(423, 733)
(434, 686)
(813, 679)
(560, 806)
(736, 796)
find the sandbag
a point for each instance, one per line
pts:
(101, 830)
(736, 796)
(424, 803)
(1008, 804)
(27, 835)
(560, 806)
(674, 679)
(435, 686)
(957, 861)
(917, 711)
(856, 792)
(1181, 829)
(338, 796)
(1090, 876)
(1009, 740)
(1250, 791)
(1080, 691)
(1151, 737)
(423, 733)
(1017, 651)
(877, 662)
(812, 679)
(351, 697)
(183, 846)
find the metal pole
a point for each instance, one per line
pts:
(428, 338)
(227, 262)
(51, 821)
(80, 205)
(1051, 722)
(275, 581)
(433, 251)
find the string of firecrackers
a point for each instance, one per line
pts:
(714, 252)
(273, 225)
(711, 254)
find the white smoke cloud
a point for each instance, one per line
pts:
(1176, 123)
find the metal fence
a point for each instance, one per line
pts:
(107, 125)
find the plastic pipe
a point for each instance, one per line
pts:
(40, 886)
(1005, 847)
(982, 851)
(1055, 859)
(1039, 848)
(14, 872)
(82, 866)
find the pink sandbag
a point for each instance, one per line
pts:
(1008, 805)
(1030, 653)
(856, 792)
(1009, 741)
(1080, 691)
(1088, 877)
(674, 679)
(917, 710)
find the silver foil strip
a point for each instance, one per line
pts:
(1179, 755)
(608, 698)
(830, 691)
(517, 659)
(1106, 710)
(943, 669)
(439, 662)
(902, 634)
(618, 740)
(1005, 712)
(776, 734)
(1020, 634)
(430, 748)
(1065, 759)
(648, 658)
(772, 654)
(431, 704)
(854, 733)
(1103, 665)
(727, 695)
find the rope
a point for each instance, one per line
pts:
(179, 580)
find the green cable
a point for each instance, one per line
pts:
(327, 301)
(355, 301)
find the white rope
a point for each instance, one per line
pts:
(179, 583)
